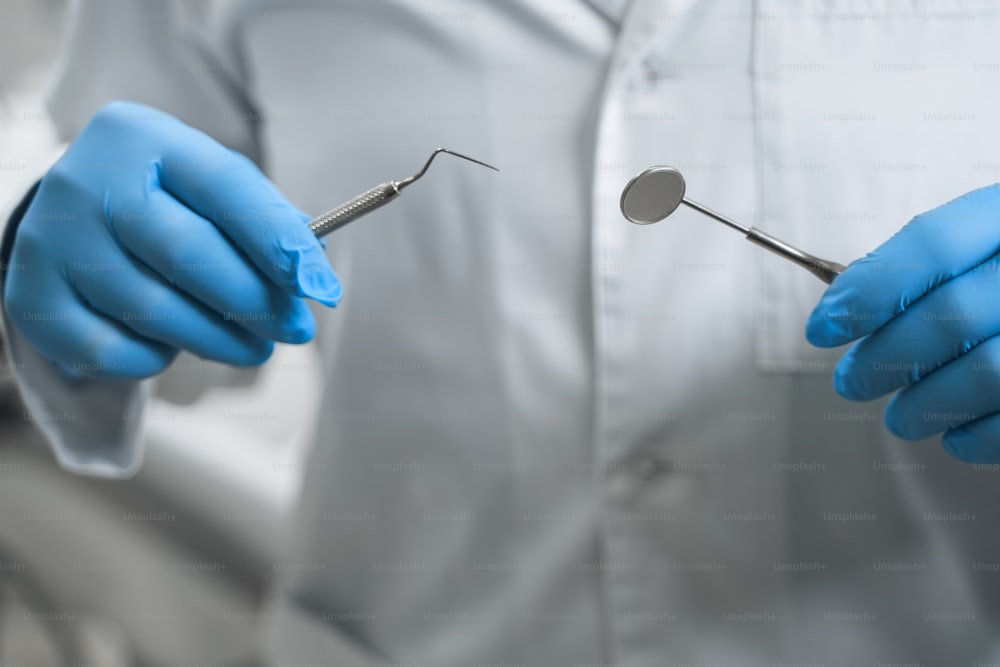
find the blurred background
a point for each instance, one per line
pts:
(171, 567)
(30, 33)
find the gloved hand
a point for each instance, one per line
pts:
(149, 237)
(926, 306)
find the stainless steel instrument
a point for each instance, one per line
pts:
(658, 191)
(376, 197)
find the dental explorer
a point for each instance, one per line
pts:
(657, 192)
(376, 197)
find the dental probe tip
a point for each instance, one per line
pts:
(407, 181)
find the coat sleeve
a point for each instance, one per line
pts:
(180, 57)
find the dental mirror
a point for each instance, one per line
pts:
(653, 195)
(657, 192)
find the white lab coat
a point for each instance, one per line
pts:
(550, 437)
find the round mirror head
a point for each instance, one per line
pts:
(652, 195)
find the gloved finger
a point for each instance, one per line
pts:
(70, 335)
(957, 393)
(143, 303)
(191, 253)
(975, 442)
(931, 249)
(228, 189)
(940, 327)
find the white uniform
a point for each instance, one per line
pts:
(550, 437)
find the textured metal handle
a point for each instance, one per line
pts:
(361, 205)
(823, 269)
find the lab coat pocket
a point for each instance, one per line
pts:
(867, 113)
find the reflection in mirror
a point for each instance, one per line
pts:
(652, 195)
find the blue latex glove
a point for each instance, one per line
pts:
(926, 306)
(149, 237)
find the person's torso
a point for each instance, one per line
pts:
(552, 438)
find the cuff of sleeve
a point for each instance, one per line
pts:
(93, 426)
(13, 204)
